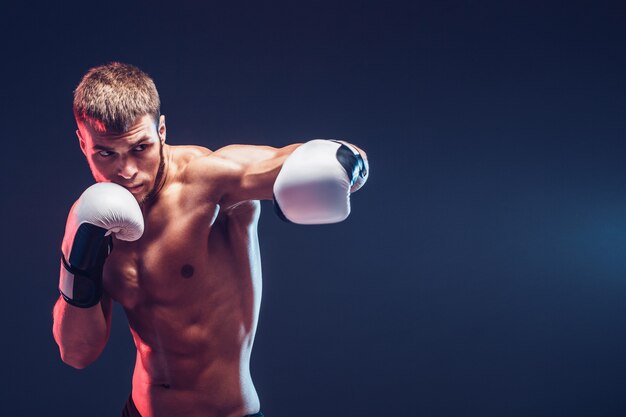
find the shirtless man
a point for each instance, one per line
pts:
(170, 233)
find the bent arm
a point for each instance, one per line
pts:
(82, 316)
(81, 333)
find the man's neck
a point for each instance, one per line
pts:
(161, 180)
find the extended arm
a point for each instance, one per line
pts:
(310, 183)
(250, 171)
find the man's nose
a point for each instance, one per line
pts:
(127, 168)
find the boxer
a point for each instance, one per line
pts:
(170, 233)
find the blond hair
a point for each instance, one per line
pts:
(111, 97)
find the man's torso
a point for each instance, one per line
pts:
(191, 289)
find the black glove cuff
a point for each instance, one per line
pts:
(352, 161)
(87, 286)
(279, 212)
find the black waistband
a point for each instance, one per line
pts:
(131, 411)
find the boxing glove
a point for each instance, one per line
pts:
(103, 209)
(315, 182)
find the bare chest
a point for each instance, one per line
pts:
(164, 265)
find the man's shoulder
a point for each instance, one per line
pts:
(227, 160)
(197, 163)
(183, 154)
(186, 158)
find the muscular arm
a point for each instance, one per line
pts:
(81, 333)
(243, 172)
(82, 316)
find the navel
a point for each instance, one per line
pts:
(187, 271)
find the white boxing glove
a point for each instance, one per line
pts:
(315, 182)
(103, 208)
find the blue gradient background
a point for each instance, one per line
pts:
(482, 271)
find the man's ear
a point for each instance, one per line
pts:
(81, 141)
(162, 128)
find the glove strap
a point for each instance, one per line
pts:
(83, 287)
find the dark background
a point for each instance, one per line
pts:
(482, 271)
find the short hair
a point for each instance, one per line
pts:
(111, 97)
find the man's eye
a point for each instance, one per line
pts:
(140, 148)
(105, 154)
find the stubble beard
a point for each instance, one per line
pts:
(156, 187)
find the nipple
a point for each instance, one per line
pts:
(187, 271)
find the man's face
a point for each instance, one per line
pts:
(133, 159)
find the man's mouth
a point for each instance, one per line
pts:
(134, 188)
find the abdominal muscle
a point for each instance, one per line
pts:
(167, 383)
(194, 335)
